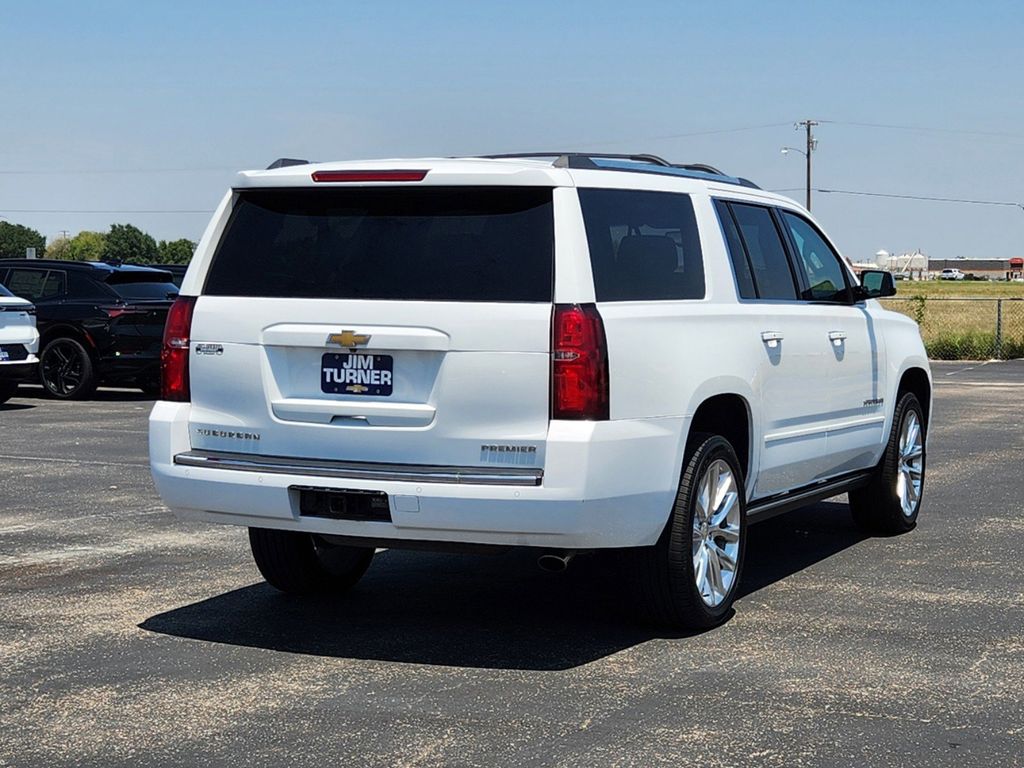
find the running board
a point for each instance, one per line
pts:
(763, 509)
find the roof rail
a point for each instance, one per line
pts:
(581, 159)
(702, 167)
(655, 164)
(284, 162)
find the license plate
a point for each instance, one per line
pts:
(357, 374)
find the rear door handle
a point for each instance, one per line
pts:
(771, 338)
(836, 337)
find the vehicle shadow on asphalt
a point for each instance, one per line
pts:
(485, 611)
(102, 395)
(9, 406)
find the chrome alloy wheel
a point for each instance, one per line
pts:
(715, 542)
(911, 463)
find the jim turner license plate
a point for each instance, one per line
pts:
(357, 374)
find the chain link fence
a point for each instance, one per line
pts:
(967, 328)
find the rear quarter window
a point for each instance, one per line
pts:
(643, 245)
(428, 244)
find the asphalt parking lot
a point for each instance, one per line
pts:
(129, 638)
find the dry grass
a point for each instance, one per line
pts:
(959, 288)
(966, 328)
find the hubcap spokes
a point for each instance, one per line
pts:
(715, 542)
(62, 368)
(911, 464)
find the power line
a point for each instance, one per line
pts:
(78, 210)
(116, 171)
(111, 171)
(929, 198)
(711, 132)
(928, 128)
(717, 131)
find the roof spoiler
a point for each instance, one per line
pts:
(285, 162)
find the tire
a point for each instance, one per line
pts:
(303, 564)
(890, 502)
(8, 389)
(66, 370)
(667, 574)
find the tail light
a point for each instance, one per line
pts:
(115, 312)
(579, 363)
(174, 384)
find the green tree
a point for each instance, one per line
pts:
(15, 238)
(87, 246)
(176, 251)
(129, 244)
(59, 249)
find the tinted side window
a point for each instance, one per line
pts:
(643, 245)
(82, 287)
(826, 277)
(55, 284)
(737, 253)
(772, 273)
(27, 283)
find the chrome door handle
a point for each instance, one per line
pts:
(836, 337)
(771, 338)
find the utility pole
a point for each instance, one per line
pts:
(812, 144)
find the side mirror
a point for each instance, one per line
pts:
(875, 284)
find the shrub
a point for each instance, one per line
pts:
(969, 345)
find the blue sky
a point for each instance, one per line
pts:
(130, 106)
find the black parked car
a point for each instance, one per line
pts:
(98, 323)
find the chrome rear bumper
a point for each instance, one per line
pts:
(356, 470)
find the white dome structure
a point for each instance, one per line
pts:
(911, 264)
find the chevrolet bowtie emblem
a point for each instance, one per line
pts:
(357, 388)
(348, 338)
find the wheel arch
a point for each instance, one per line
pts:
(66, 330)
(729, 414)
(916, 379)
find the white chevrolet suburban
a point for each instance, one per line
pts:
(559, 351)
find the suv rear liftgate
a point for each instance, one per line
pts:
(425, 311)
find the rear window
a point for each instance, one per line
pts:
(427, 244)
(643, 245)
(4, 291)
(143, 291)
(141, 284)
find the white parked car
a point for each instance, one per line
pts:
(19, 343)
(951, 274)
(563, 352)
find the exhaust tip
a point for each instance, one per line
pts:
(553, 563)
